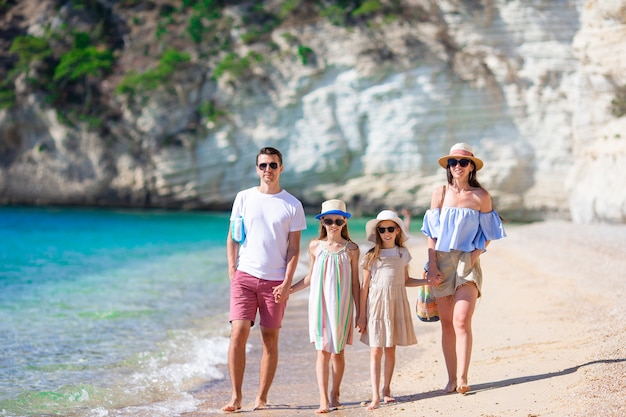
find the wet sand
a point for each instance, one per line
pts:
(549, 339)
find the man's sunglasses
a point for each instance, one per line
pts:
(263, 165)
(390, 229)
(330, 222)
(463, 162)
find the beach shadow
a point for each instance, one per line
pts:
(508, 382)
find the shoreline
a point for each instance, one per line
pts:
(549, 338)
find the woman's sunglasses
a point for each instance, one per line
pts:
(263, 165)
(390, 229)
(463, 162)
(330, 222)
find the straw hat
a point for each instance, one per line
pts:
(370, 226)
(460, 151)
(333, 207)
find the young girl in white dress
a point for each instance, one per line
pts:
(385, 319)
(333, 299)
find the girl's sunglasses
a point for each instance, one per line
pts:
(463, 162)
(330, 222)
(390, 229)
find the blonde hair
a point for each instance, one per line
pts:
(373, 254)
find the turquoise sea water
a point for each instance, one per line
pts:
(111, 312)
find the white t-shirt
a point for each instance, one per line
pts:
(268, 219)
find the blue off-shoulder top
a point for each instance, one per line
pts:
(459, 228)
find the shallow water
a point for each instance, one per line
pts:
(114, 312)
(101, 309)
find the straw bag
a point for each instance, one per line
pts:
(426, 307)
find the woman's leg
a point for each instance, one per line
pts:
(376, 356)
(445, 305)
(321, 369)
(464, 306)
(390, 363)
(338, 366)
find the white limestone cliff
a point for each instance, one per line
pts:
(528, 84)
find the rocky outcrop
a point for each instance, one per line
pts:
(528, 84)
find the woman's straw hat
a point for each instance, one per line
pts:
(460, 151)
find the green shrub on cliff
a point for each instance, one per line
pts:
(235, 65)
(83, 60)
(153, 78)
(367, 7)
(618, 104)
(7, 98)
(211, 112)
(305, 53)
(29, 48)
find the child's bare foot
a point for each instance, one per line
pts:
(451, 387)
(463, 389)
(335, 404)
(387, 398)
(374, 404)
(322, 410)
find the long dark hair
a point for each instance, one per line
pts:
(472, 182)
(472, 176)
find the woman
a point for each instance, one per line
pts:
(460, 224)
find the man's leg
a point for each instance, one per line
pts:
(240, 330)
(269, 362)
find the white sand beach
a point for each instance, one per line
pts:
(549, 338)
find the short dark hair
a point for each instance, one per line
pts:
(270, 151)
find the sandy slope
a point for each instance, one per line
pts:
(549, 338)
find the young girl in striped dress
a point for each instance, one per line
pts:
(333, 299)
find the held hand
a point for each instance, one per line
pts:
(361, 324)
(434, 277)
(281, 293)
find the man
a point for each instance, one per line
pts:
(261, 269)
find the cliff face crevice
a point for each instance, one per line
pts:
(362, 114)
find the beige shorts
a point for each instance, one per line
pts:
(457, 270)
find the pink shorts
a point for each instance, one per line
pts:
(249, 293)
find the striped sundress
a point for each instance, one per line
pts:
(331, 305)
